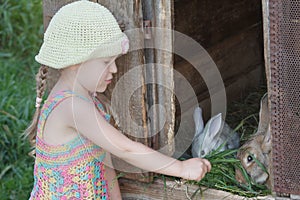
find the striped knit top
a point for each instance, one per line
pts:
(73, 170)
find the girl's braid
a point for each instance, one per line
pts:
(41, 79)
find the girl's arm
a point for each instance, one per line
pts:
(88, 121)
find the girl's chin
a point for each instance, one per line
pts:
(102, 89)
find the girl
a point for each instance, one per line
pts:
(83, 40)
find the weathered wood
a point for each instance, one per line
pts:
(229, 30)
(231, 33)
(130, 111)
(209, 22)
(239, 60)
(235, 57)
(266, 35)
(147, 7)
(158, 190)
(163, 73)
(149, 134)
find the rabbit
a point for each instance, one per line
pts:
(211, 136)
(259, 146)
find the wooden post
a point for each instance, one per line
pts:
(266, 29)
(163, 19)
(129, 14)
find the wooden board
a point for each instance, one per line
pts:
(163, 74)
(210, 22)
(158, 190)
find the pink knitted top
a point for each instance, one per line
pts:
(74, 170)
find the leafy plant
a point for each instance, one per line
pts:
(20, 36)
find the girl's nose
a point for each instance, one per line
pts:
(113, 67)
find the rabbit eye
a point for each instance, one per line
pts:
(249, 158)
(202, 152)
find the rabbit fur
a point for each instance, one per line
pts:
(209, 137)
(258, 146)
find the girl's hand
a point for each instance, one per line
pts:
(195, 169)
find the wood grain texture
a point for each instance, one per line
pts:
(128, 89)
(170, 190)
(231, 32)
(163, 73)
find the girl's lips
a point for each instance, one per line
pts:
(108, 81)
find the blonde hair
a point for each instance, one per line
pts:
(41, 79)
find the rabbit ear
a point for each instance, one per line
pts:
(199, 125)
(263, 114)
(267, 142)
(214, 126)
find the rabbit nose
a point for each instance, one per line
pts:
(262, 179)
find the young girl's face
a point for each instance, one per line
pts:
(95, 75)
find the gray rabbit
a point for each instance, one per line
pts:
(209, 137)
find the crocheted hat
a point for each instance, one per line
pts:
(78, 32)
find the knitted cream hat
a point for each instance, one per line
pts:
(78, 32)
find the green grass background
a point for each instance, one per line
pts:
(21, 33)
(20, 37)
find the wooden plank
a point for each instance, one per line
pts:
(150, 74)
(158, 190)
(163, 73)
(266, 34)
(130, 111)
(210, 22)
(129, 13)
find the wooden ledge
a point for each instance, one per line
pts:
(158, 190)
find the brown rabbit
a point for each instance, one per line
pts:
(258, 148)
